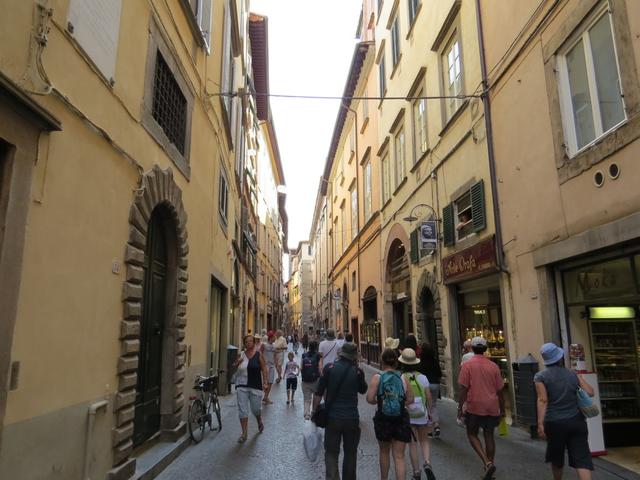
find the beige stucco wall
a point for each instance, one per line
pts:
(539, 209)
(68, 325)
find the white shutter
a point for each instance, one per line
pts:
(204, 13)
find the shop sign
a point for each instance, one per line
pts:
(470, 262)
(428, 235)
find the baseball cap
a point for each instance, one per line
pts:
(478, 342)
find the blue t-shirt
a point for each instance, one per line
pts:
(562, 387)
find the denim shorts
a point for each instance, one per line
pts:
(249, 399)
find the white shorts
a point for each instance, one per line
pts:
(249, 398)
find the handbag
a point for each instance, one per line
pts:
(321, 415)
(586, 405)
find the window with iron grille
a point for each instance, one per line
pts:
(169, 104)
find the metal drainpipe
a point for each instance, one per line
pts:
(93, 409)
(490, 151)
(357, 160)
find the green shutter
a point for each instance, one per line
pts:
(448, 226)
(414, 247)
(477, 207)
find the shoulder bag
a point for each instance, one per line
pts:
(321, 415)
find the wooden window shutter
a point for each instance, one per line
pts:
(448, 225)
(477, 207)
(414, 247)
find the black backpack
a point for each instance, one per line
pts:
(309, 370)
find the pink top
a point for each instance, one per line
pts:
(483, 381)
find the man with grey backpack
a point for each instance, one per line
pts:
(419, 413)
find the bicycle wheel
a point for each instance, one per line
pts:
(197, 419)
(215, 407)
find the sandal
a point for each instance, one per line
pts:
(260, 427)
(428, 471)
(489, 470)
(242, 439)
(417, 476)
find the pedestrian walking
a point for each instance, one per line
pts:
(291, 372)
(341, 381)
(250, 383)
(391, 422)
(410, 341)
(419, 413)
(559, 418)
(430, 368)
(340, 339)
(328, 349)
(270, 354)
(305, 342)
(281, 347)
(482, 398)
(467, 351)
(296, 343)
(310, 372)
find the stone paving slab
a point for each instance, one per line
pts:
(278, 452)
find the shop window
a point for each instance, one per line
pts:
(589, 85)
(464, 216)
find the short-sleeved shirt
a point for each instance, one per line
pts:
(562, 385)
(481, 377)
(466, 357)
(344, 403)
(329, 351)
(269, 350)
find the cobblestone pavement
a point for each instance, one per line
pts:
(278, 451)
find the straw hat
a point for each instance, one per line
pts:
(391, 343)
(408, 357)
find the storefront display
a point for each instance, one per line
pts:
(602, 301)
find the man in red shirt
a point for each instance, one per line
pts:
(481, 395)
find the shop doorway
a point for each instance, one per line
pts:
(370, 328)
(152, 329)
(401, 320)
(216, 316)
(398, 280)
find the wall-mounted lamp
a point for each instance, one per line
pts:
(412, 218)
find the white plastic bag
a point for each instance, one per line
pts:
(312, 440)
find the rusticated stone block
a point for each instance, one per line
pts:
(180, 334)
(183, 262)
(179, 374)
(129, 328)
(133, 255)
(137, 218)
(137, 238)
(182, 286)
(126, 415)
(124, 399)
(135, 274)
(122, 433)
(182, 299)
(128, 363)
(122, 452)
(181, 347)
(183, 249)
(181, 310)
(130, 346)
(127, 380)
(132, 310)
(178, 402)
(181, 322)
(131, 292)
(180, 360)
(183, 276)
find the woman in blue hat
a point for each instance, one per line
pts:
(559, 418)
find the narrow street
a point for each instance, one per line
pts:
(278, 452)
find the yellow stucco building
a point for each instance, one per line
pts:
(121, 172)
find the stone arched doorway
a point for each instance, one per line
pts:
(157, 219)
(398, 282)
(429, 315)
(370, 331)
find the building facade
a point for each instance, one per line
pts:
(565, 100)
(119, 141)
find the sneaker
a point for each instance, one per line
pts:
(436, 432)
(287, 402)
(429, 472)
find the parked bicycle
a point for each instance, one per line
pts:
(204, 404)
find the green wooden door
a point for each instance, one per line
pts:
(147, 404)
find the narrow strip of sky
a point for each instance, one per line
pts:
(310, 48)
